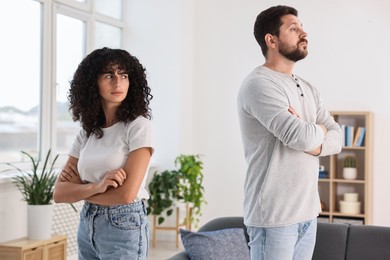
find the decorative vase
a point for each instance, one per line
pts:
(349, 173)
(39, 221)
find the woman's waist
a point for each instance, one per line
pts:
(135, 206)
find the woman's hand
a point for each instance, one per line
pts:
(70, 174)
(121, 186)
(114, 179)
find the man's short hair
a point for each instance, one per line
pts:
(269, 21)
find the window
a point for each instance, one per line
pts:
(70, 51)
(20, 85)
(111, 8)
(107, 35)
(39, 57)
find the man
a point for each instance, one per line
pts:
(285, 127)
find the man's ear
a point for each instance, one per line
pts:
(270, 40)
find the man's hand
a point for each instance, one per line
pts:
(317, 151)
(293, 112)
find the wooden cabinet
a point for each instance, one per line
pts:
(333, 185)
(25, 249)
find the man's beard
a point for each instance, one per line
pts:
(293, 55)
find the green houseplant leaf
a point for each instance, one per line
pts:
(190, 169)
(183, 184)
(350, 162)
(37, 185)
(163, 190)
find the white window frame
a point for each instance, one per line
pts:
(50, 9)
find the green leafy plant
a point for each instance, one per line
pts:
(350, 162)
(183, 184)
(163, 190)
(191, 183)
(37, 186)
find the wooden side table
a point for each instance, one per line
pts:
(187, 224)
(25, 249)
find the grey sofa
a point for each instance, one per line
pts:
(334, 241)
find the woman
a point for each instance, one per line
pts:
(109, 159)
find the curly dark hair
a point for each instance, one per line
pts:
(84, 97)
(269, 21)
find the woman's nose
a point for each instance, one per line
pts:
(117, 80)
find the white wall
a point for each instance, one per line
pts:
(347, 61)
(348, 50)
(13, 212)
(160, 35)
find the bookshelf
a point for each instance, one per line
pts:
(333, 186)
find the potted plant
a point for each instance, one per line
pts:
(181, 185)
(191, 184)
(36, 187)
(163, 190)
(349, 170)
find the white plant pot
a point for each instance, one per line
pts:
(350, 173)
(39, 221)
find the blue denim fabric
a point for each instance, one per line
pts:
(293, 242)
(113, 232)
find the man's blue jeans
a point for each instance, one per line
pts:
(113, 232)
(293, 242)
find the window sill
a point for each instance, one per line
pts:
(6, 177)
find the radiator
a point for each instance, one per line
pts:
(65, 222)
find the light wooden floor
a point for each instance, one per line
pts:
(164, 250)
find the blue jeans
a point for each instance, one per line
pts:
(293, 242)
(113, 232)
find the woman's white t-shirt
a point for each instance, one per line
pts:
(97, 156)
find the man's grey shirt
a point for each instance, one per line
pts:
(281, 180)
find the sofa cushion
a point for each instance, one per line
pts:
(331, 241)
(225, 222)
(227, 244)
(368, 242)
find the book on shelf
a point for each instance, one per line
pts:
(349, 135)
(352, 138)
(359, 136)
